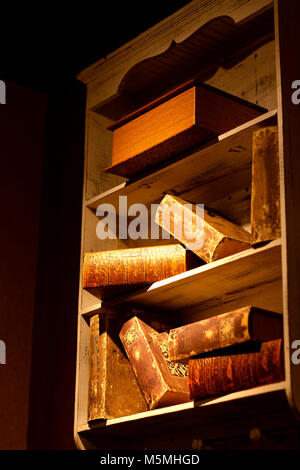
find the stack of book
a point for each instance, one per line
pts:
(226, 353)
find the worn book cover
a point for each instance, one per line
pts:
(117, 271)
(162, 381)
(221, 331)
(218, 375)
(113, 390)
(265, 192)
(205, 233)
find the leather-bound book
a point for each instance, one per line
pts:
(113, 390)
(188, 115)
(208, 235)
(107, 273)
(219, 375)
(246, 324)
(265, 192)
(163, 382)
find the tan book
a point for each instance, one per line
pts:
(208, 235)
(218, 375)
(265, 192)
(113, 390)
(108, 273)
(163, 382)
(240, 326)
(187, 116)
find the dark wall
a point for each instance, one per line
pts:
(22, 148)
(41, 190)
(56, 307)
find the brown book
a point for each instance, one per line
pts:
(185, 117)
(113, 390)
(265, 192)
(163, 382)
(213, 376)
(116, 271)
(221, 331)
(220, 237)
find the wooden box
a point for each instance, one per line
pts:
(186, 117)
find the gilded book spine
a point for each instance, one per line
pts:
(265, 193)
(94, 391)
(133, 265)
(213, 376)
(162, 381)
(228, 329)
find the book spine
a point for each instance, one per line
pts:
(213, 376)
(133, 265)
(265, 192)
(209, 334)
(95, 401)
(162, 382)
(208, 235)
(113, 390)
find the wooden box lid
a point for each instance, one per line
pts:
(178, 121)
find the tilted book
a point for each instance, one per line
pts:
(117, 271)
(188, 115)
(265, 189)
(219, 375)
(113, 390)
(162, 381)
(221, 331)
(206, 234)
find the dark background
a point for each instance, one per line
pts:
(42, 137)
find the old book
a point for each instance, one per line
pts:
(107, 273)
(213, 376)
(265, 191)
(163, 382)
(185, 117)
(221, 331)
(208, 235)
(113, 390)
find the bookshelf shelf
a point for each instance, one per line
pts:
(242, 48)
(200, 413)
(215, 283)
(189, 406)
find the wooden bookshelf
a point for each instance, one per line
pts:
(216, 282)
(238, 47)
